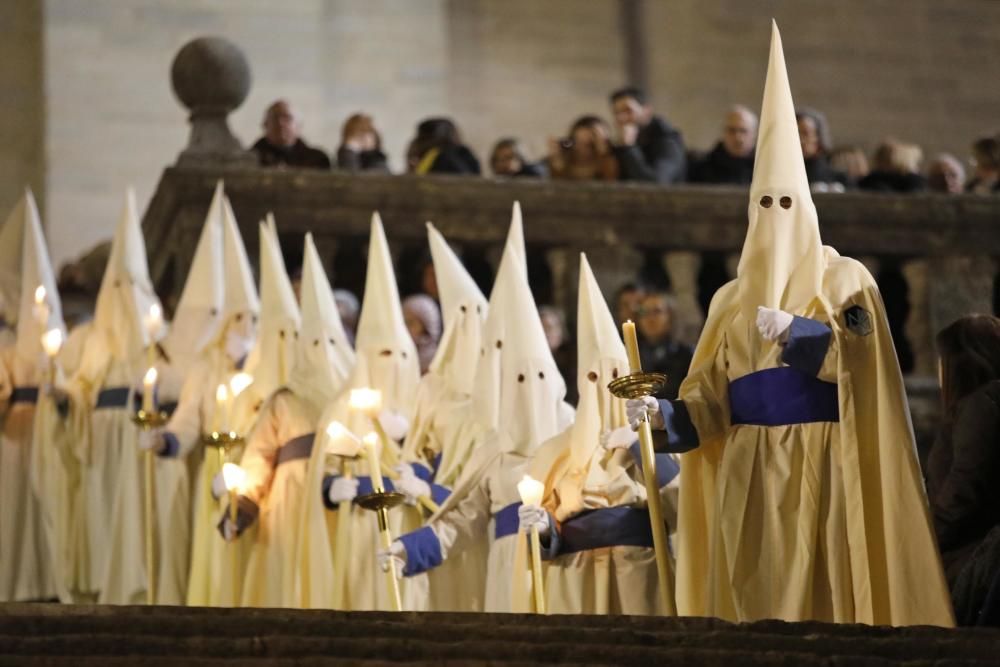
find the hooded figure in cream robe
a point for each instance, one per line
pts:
(277, 453)
(484, 505)
(34, 489)
(104, 394)
(599, 540)
(213, 330)
(801, 496)
(386, 361)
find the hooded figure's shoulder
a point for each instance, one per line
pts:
(845, 279)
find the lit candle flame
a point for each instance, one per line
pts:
(233, 476)
(530, 490)
(154, 320)
(221, 393)
(368, 401)
(149, 379)
(239, 382)
(40, 294)
(52, 341)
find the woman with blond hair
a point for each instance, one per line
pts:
(361, 146)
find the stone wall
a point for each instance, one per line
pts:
(100, 114)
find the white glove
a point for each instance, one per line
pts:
(343, 490)
(636, 408)
(620, 438)
(410, 485)
(228, 529)
(152, 441)
(394, 556)
(394, 424)
(533, 516)
(219, 486)
(774, 324)
(57, 393)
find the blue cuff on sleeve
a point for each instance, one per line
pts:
(666, 467)
(365, 485)
(327, 483)
(551, 550)
(422, 472)
(681, 433)
(808, 342)
(423, 551)
(172, 446)
(439, 493)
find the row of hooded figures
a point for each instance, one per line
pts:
(785, 473)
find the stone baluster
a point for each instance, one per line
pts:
(682, 266)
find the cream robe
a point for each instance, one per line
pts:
(25, 561)
(822, 520)
(270, 579)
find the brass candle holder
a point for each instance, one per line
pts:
(637, 385)
(150, 420)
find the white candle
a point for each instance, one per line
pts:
(148, 389)
(631, 346)
(530, 490)
(220, 418)
(374, 465)
(41, 307)
(367, 401)
(341, 441)
(52, 341)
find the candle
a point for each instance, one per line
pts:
(234, 477)
(220, 417)
(631, 346)
(41, 307)
(52, 341)
(367, 401)
(152, 322)
(530, 490)
(374, 465)
(341, 441)
(148, 389)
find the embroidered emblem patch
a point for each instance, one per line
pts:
(858, 320)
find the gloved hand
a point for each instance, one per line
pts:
(228, 529)
(635, 408)
(774, 324)
(58, 394)
(534, 516)
(152, 440)
(620, 438)
(409, 484)
(394, 556)
(394, 424)
(219, 486)
(343, 490)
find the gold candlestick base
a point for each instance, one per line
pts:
(149, 420)
(380, 500)
(222, 440)
(637, 385)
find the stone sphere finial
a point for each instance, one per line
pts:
(211, 77)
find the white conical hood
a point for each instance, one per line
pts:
(601, 358)
(782, 261)
(513, 265)
(273, 357)
(241, 293)
(386, 355)
(198, 317)
(464, 308)
(531, 388)
(325, 358)
(126, 295)
(25, 267)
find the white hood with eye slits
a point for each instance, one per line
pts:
(782, 263)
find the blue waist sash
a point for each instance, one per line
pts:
(24, 395)
(116, 397)
(611, 527)
(782, 396)
(296, 448)
(507, 521)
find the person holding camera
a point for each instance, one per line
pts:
(585, 154)
(648, 148)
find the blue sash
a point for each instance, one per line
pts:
(24, 395)
(611, 527)
(507, 521)
(296, 448)
(782, 396)
(116, 397)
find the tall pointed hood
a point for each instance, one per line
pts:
(464, 309)
(241, 293)
(25, 267)
(531, 388)
(273, 357)
(324, 357)
(126, 293)
(387, 356)
(513, 266)
(782, 261)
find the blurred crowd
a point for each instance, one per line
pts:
(640, 145)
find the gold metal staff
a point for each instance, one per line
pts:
(531, 491)
(149, 418)
(380, 501)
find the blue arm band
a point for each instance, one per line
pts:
(808, 342)
(172, 446)
(423, 551)
(681, 433)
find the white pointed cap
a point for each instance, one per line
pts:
(126, 295)
(778, 164)
(241, 293)
(381, 322)
(325, 358)
(273, 357)
(198, 316)
(597, 335)
(26, 267)
(455, 286)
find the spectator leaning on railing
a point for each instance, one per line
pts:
(731, 160)
(281, 145)
(648, 148)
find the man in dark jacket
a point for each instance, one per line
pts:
(281, 144)
(649, 148)
(731, 161)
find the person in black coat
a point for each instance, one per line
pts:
(895, 169)
(648, 148)
(963, 467)
(281, 145)
(731, 161)
(814, 135)
(507, 161)
(437, 148)
(361, 146)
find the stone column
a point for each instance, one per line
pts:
(565, 268)
(682, 266)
